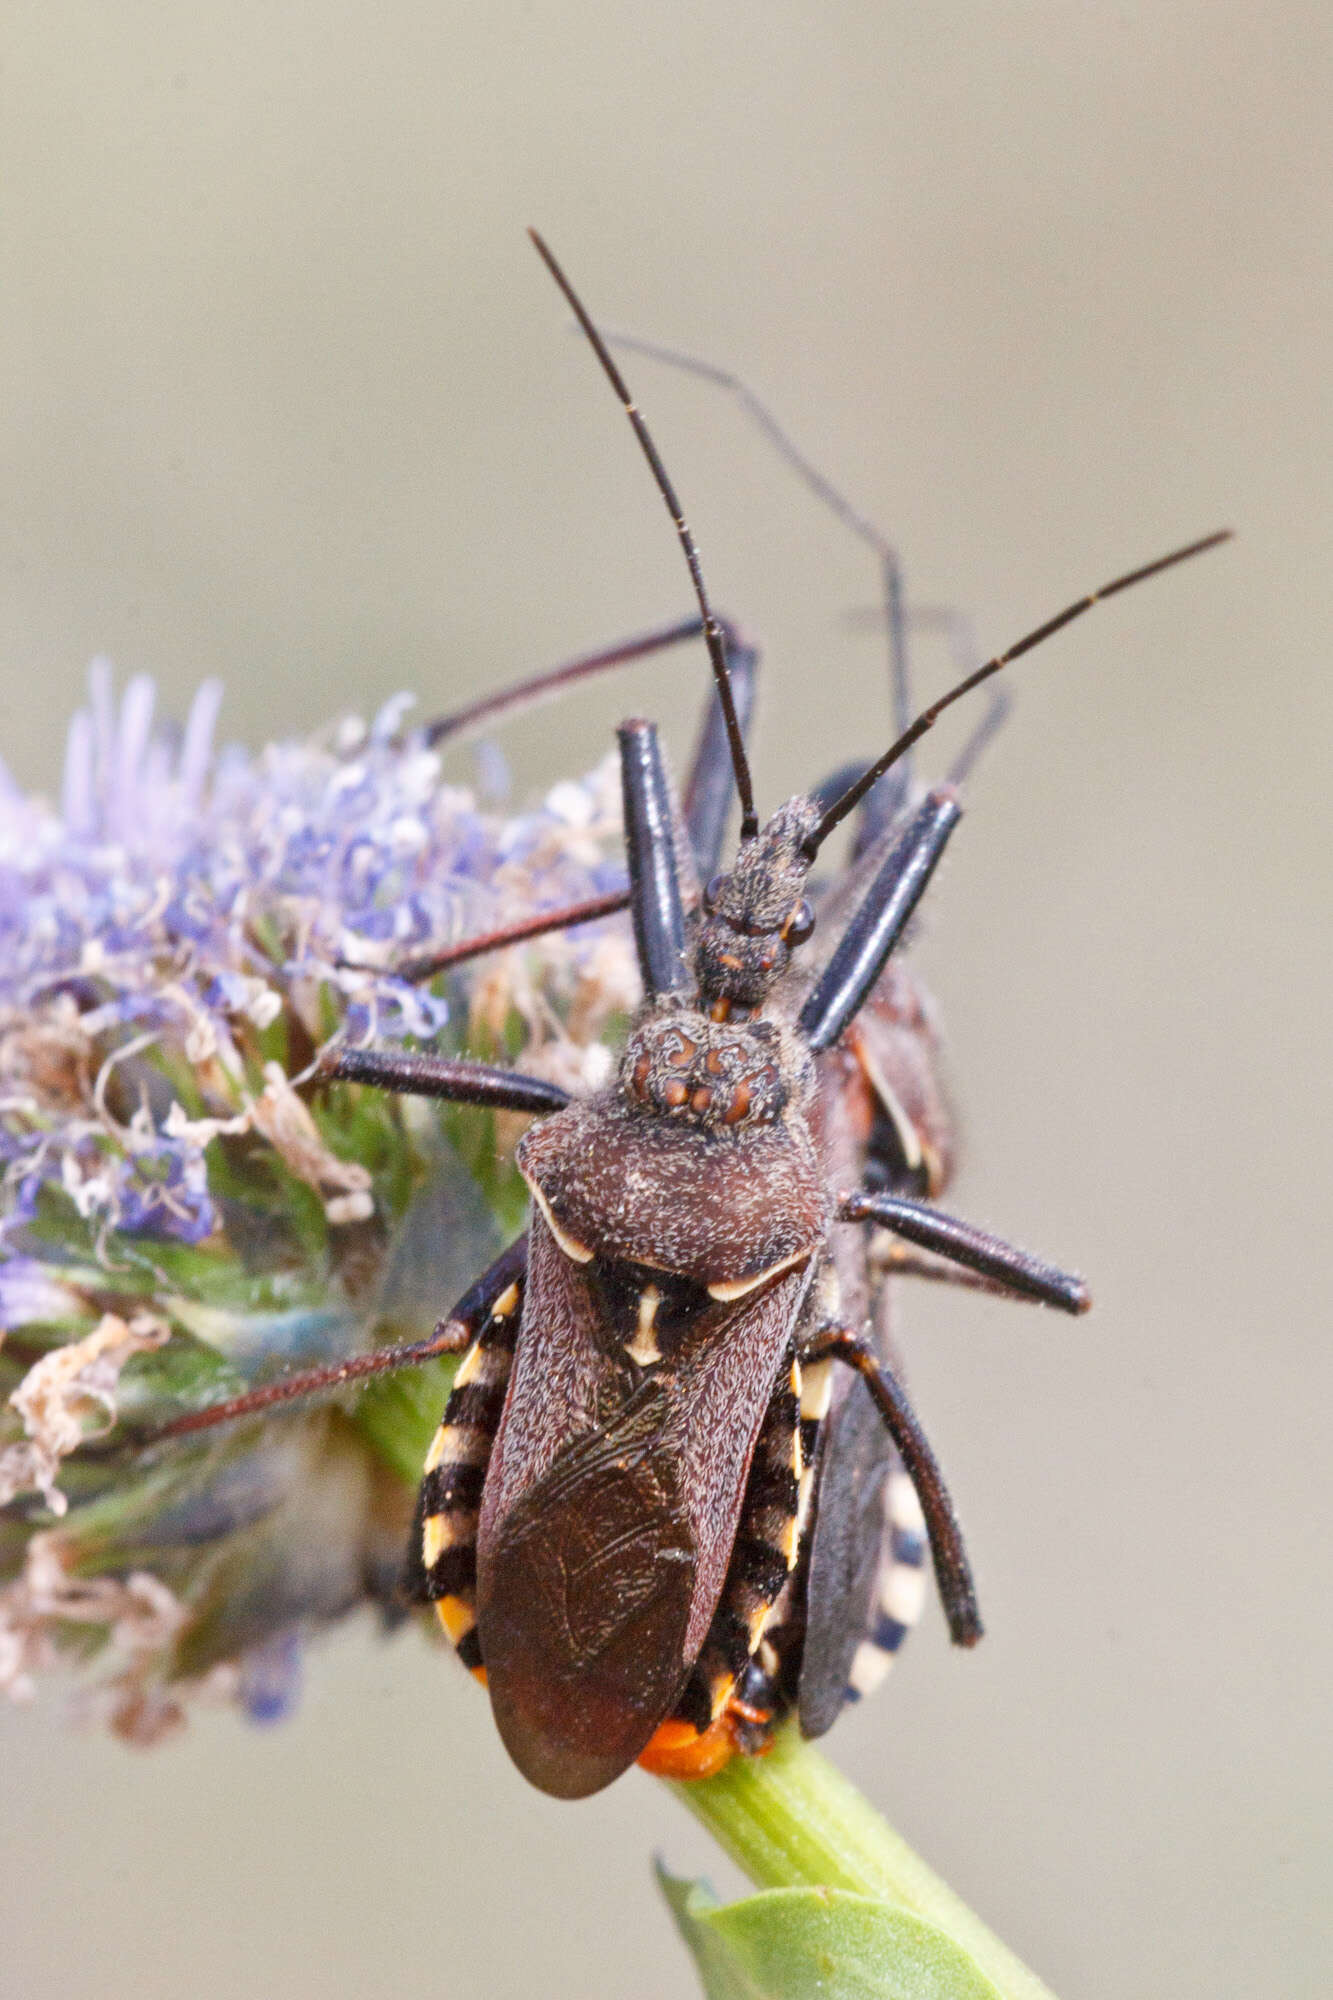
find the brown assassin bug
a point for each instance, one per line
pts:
(647, 1521)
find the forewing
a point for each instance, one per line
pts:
(605, 1538)
(585, 1601)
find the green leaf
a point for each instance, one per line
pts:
(792, 1944)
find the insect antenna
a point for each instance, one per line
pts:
(893, 609)
(928, 717)
(712, 630)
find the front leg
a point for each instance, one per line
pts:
(447, 1077)
(876, 926)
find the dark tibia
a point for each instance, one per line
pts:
(953, 1572)
(541, 687)
(446, 1077)
(451, 1336)
(877, 925)
(426, 964)
(309, 1382)
(654, 866)
(901, 1261)
(962, 1243)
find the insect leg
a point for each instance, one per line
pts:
(535, 688)
(953, 1572)
(976, 1249)
(446, 1077)
(889, 799)
(425, 965)
(898, 1260)
(879, 921)
(886, 800)
(442, 1563)
(655, 865)
(451, 1336)
(723, 1695)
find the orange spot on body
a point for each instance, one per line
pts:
(677, 1750)
(739, 1105)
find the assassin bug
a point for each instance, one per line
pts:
(647, 1520)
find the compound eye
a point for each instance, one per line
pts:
(799, 924)
(713, 893)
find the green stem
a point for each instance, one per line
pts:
(792, 1820)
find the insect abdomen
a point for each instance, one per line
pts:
(455, 1474)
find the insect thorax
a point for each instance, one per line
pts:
(707, 1073)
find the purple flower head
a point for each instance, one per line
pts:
(186, 1209)
(186, 914)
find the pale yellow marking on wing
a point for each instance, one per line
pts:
(803, 1493)
(506, 1302)
(728, 1289)
(794, 1380)
(644, 1348)
(578, 1253)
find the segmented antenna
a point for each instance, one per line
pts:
(712, 631)
(780, 438)
(928, 717)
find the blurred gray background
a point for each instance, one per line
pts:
(287, 398)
